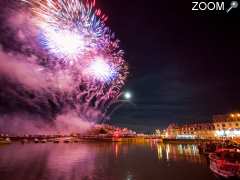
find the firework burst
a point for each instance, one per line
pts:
(74, 32)
(101, 70)
(70, 28)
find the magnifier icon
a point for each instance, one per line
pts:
(234, 4)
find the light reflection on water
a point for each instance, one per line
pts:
(188, 152)
(102, 161)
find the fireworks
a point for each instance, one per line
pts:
(74, 31)
(101, 70)
(78, 49)
(70, 28)
(64, 43)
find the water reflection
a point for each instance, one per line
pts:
(100, 161)
(53, 162)
(178, 152)
(116, 149)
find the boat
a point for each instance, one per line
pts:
(225, 163)
(36, 140)
(67, 141)
(43, 141)
(5, 141)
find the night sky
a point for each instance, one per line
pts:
(184, 65)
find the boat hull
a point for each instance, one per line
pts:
(224, 169)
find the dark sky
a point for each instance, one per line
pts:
(184, 64)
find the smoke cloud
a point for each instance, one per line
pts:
(25, 73)
(20, 124)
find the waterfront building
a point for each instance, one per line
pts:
(221, 126)
(227, 125)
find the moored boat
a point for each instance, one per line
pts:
(43, 141)
(67, 141)
(5, 141)
(225, 163)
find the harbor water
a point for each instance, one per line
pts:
(103, 161)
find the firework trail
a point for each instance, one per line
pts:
(74, 52)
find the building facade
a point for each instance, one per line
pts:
(221, 126)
